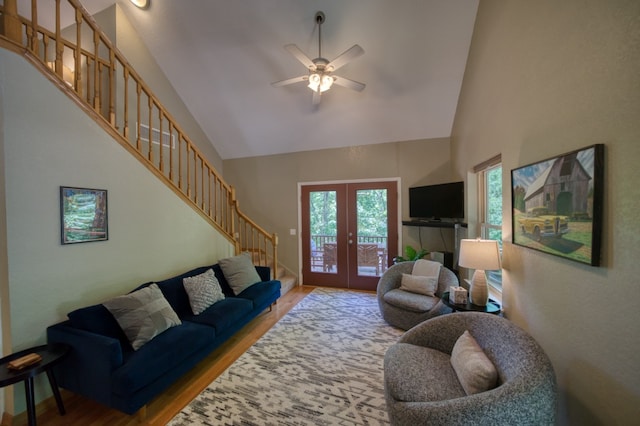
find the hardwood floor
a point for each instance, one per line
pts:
(84, 412)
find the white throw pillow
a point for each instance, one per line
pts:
(203, 291)
(427, 268)
(419, 284)
(475, 371)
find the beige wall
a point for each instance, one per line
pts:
(544, 78)
(268, 186)
(48, 142)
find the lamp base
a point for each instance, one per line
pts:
(478, 291)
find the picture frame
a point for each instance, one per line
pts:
(83, 215)
(557, 205)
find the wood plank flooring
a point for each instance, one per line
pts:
(84, 412)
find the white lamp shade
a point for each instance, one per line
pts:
(479, 254)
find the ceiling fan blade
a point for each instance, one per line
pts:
(316, 97)
(290, 81)
(350, 54)
(299, 55)
(350, 84)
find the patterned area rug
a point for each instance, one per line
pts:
(321, 364)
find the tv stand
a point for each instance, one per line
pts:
(433, 223)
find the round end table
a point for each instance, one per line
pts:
(51, 355)
(491, 308)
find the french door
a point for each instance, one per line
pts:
(349, 233)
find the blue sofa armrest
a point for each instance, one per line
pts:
(88, 367)
(264, 272)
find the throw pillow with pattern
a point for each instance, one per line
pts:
(203, 291)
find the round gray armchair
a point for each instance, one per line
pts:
(422, 388)
(403, 309)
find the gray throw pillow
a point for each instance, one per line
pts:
(474, 369)
(240, 272)
(419, 284)
(203, 291)
(143, 314)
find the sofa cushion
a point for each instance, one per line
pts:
(410, 301)
(264, 272)
(419, 374)
(239, 271)
(475, 371)
(203, 291)
(419, 284)
(143, 314)
(97, 319)
(262, 293)
(223, 314)
(163, 353)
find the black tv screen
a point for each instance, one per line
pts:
(434, 202)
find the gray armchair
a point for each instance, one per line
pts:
(403, 309)
(421, 387)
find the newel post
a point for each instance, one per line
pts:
(10, 21)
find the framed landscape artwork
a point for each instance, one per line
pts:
(557, 205)
(83, 215)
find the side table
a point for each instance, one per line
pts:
(51, 355)
(491, 308)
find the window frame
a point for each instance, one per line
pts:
(494, 279)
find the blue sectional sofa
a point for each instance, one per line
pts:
(103, 366)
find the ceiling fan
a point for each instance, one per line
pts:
(320, 76)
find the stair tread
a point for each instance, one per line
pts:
(288, 282)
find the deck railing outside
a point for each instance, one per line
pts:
(323, 254)
(320, 240)
(80, 58)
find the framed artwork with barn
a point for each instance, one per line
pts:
(557, 205)
(83, 215)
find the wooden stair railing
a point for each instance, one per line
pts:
(84, 63)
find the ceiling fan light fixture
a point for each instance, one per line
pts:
(321, 81)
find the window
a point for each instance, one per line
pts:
(490, 209)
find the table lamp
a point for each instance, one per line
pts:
(480, 255)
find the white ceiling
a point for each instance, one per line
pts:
(221, 57)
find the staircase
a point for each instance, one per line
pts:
(287, 279)
(87, 67)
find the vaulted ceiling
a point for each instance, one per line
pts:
(221, 57)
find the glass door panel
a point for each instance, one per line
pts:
(372, 235)
(324, 231)
(374, 220)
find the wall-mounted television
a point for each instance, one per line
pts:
(435, 202)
